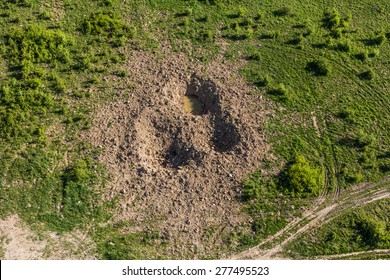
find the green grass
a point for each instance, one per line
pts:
(2, 251)
(326, 60)
(358, 230)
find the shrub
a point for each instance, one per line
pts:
(253, 187)
(35, 44)
(107, 24)
(374, 53)
(185, 13)
(375, 41)
(273, 34)
(206, 36)
(371, 232)
(259, 15)
(331, 20)
(364, 139)
(344, 46)
(301, 179)
(19, 107)
(46, 15)
(336, 33)
(367, 75)
(319, 67)
(297, 40)
(255, 56)
(263, 81)
(241, 11)
(362, 56)
(280, 90)
(284, 11)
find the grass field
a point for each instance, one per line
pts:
(323, 67)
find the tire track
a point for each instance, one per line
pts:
(318, 216)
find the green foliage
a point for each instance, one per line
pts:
(253, 187)
(113, 244)
(376, 40)
(267, 206)
(20, 106)
(107, 24)
(362, 56)
(371, 232)
(319, 67)
(331, 19)
(344, 46)
(34, 44)
(284, 11)
(354, 231)
(367, 75)
(300, 179)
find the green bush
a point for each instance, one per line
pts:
(253, 187)
(362, 56)
(20, 104)
(371, 232)
(344, 46)
(367, 75)
(284, 11)
(319, 67)
(331, 20)
(107, 24)
(280, 90)
(300, 179)
(376, 41)
(34, 44)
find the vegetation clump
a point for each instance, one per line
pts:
(300, 179)
(35, 44)
(367, 75)
(107, 24)
(19, 108)
(319, 67)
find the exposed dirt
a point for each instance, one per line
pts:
(21, 243)
(177, 172)
(377, 253)
(55, 7)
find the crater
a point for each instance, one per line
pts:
(193, 105)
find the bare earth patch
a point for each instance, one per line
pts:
(178, 172)
(21, 243)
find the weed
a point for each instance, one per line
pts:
(284, 11)
(362, 56)
(319, 67)
(35, 44)
(271, 34)
(280, 90)
(367, 75)
(107, 24)
(375, 41)
(344, 46)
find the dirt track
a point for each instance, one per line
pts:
(319, 214)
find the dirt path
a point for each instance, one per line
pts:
(360, 195)
(19, 242)
(339, 256)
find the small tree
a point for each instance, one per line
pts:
(319, 67)
(303, 180)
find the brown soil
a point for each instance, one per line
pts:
(176, 172)
(55, 7)
(19, 242)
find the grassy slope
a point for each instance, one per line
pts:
(277, 41)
